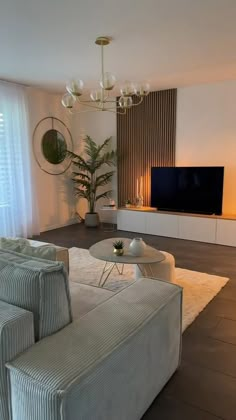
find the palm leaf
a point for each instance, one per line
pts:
(83, 182)
(79, 161)
(81, 193)
(106, 194)
(103, 145)
(71, 154)
(90, 147)
(81, 164)
(108, 158)
(104, 179)
(81, 175)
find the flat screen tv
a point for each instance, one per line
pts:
(188, 189)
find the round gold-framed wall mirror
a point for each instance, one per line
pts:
(51, 141)
(54, 146)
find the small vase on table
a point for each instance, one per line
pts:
(137, 247)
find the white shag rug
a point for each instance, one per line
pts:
(198, 288)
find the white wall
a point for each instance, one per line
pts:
(54, 193)
(206, 132)
(206, 135)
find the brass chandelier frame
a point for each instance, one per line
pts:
(101, 99)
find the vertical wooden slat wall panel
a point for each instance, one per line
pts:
(145, 138)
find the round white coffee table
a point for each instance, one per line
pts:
(103, 250)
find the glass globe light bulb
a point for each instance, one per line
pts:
(96, 95)
(75, 87)
(127, 89)
(68, 101)
(142, 89)
(107, 81)
(125, 102)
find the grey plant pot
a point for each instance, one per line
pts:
(91, 219)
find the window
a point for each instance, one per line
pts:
(4, 196)
(18, 213)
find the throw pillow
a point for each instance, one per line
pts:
(43, 252)
(13, 244)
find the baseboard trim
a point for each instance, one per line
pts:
(59, 225)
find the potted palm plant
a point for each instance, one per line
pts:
(89, 175)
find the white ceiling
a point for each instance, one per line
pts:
(171, 43)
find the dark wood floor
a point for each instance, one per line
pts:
(204, 387)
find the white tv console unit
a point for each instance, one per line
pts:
(212, 229)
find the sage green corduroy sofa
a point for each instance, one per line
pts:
(108, 365)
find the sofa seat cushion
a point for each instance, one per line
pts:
(97, 334)
(39, 286)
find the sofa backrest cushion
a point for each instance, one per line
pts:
(23, 246)
(39, 286)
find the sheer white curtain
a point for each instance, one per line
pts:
(18, 207)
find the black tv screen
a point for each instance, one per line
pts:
(188, 189)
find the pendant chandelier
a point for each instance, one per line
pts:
(131, 94)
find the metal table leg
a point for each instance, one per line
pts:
(142, 269)
(109, 269)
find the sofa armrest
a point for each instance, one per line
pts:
(95, 368)
(16, 335)
(62, 253)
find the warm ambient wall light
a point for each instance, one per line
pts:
(100, 99)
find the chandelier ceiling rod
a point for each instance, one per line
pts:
(102, 68)
(100, 99)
